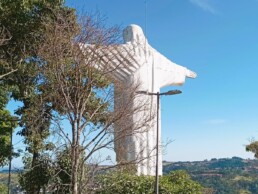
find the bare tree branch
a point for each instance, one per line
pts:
(79, 84)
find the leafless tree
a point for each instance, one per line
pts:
(79, 84)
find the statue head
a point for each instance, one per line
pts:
(134, 34)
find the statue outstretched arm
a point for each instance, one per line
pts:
(168, 73)
(191, 74)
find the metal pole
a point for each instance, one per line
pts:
(157, 148)
(10, 161)
(171, 92)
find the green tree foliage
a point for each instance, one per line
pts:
(3, 189)
(6, 130)
(62, 180)
(177, 182)
(253, 147)
(7, 125)
(24, 21)
(24, 26)
(36, 178)
(51, 174)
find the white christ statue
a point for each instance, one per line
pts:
(141, 63)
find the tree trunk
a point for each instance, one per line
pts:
(74, 170)
(75, 159)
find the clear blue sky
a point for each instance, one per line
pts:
(217, 113)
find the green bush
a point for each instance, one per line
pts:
(121, 182)
(3, 189)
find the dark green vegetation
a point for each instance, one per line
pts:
(4, 180)
(178, 182)
(253, 147)
(222, 176)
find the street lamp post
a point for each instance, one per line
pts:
(170, 92)
(10, 161)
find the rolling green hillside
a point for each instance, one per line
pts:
(223, 176)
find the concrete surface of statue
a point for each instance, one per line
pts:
(153, 71)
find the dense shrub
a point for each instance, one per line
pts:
(3, 189)
(120, 182)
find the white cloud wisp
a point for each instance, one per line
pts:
(205, 5)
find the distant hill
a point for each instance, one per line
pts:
(6, 170)
(224, 176)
